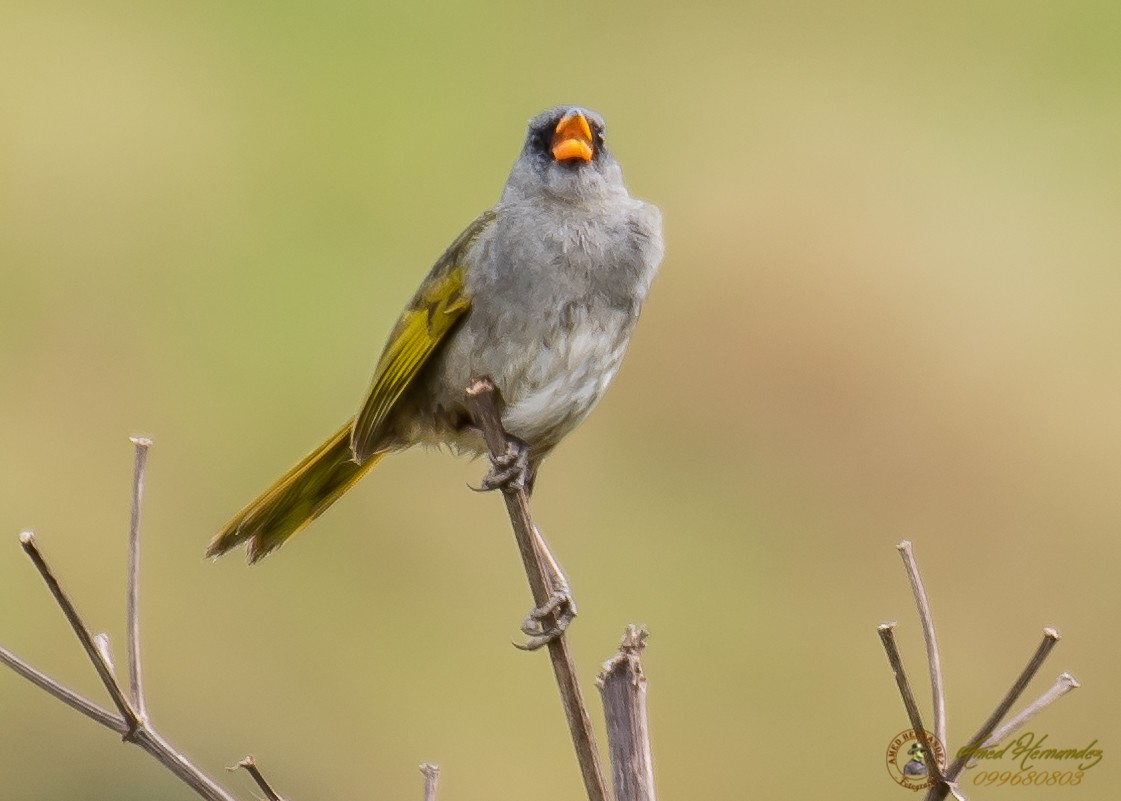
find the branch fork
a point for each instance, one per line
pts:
(945, 777)
(130, 719)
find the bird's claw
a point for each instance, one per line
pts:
(548, 622)
(508, 470)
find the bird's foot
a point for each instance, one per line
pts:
(548, 622)
(509, 470)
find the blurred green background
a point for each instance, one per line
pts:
(889, 309)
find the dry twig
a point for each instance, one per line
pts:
(1063, 685)
(622, 686)
(895, 659)
(135, 673)
(945, 781)
(431, 780)
(484, 405)
(249, 765)
(130, 719)
(926, 619)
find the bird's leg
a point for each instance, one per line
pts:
(511, 469)
(549, 621)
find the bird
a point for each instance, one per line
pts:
(540, 294)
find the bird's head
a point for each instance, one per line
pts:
(565, 157)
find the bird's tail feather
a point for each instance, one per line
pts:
(297, 498)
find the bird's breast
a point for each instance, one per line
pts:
(554, 299)
(552, 385)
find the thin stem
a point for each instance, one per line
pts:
(132, 728)
(431, 780)
(1063, 685)
(887, 637)
(483, 402)
(986, 733)
(64, 694)
(136, 682)
(937, 691)
(249, 764)
(164, 753)
(104, 672)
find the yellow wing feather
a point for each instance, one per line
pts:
(433, 312)
(324, 475)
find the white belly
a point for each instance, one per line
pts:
(555, 390)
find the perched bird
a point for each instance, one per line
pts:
(540, 293)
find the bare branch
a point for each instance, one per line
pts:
(133, 727)
(104, 672)
(249, 764)
(622, 686)
(1050, 638)
(64, 694)
(945, 782)
(127, 724)
(484, 407)
(887, 636)
(136, 682)
(152, 742)
(431, 780)
(987, 733)
(937, 692)
(1063, 685)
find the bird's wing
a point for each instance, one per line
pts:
(439, 303)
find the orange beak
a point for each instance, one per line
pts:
(573, 138)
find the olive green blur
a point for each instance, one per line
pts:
(888, 310)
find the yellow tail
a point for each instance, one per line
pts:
(300, 496)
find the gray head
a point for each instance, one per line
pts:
(565, 158)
